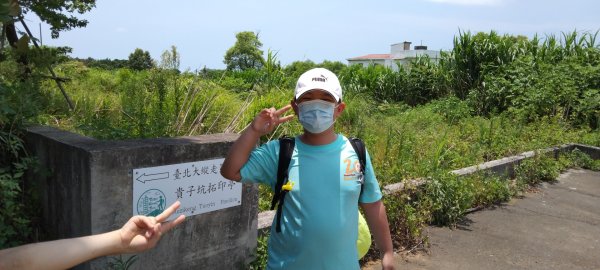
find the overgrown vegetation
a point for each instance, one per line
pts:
(20, 102)
(491, 96)
(260, 259)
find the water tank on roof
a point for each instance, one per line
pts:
(420, 47)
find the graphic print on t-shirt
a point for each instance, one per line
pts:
(352, 169)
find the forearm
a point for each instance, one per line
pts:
(239, 153)
(60, 254)
(378, 223)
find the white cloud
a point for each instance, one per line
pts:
(470, 2)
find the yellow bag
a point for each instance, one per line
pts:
(363, 242)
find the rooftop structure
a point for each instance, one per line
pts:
(400, 54)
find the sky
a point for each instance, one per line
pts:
(313, 30)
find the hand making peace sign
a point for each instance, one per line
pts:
(268, 119)
(141, 233)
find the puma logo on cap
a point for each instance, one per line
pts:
(319, 79)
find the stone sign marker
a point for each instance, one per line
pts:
(94, 186)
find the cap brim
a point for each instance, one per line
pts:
(308, 89)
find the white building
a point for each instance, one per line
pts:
(400, 53)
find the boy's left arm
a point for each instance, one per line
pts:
(378, 223)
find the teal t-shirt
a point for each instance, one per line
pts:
(319, 222)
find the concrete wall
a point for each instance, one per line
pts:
(404, 59)
(87, 188)
(592, 151)
(505, 167)
(433, 55)
(368, 62)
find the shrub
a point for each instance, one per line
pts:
(536, 170)
(577, 158)
(489, 189)
(406, 218)
(452, 108)
(260, 259)
(448, 198)
(19, 101)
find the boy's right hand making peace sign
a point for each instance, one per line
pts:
(268, 119)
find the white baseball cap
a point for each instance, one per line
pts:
(319, 78)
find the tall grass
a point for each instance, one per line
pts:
(145, 104)
(404, 142)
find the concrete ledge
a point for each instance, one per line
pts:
(265, 219)
(504, 167)
(396, 187)
(592, 151)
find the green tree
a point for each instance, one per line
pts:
(58, 14)
(245, 53)
(107, 63)
(296, 68)
(140, 60)
(21, 100)
(334, 66)
(170, 59)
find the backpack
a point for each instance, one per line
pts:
(286, 148)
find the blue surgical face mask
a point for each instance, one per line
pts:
(316, 116)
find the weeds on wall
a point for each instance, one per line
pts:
(260, 259)
(121, 263)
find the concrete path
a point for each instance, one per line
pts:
(557, 227)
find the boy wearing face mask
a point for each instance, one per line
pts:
(320, 214)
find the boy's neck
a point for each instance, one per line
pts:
(323, 138)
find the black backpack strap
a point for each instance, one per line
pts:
(359, 148)
(286, 148)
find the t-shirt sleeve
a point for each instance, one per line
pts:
(371, 191)
(261, 166)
